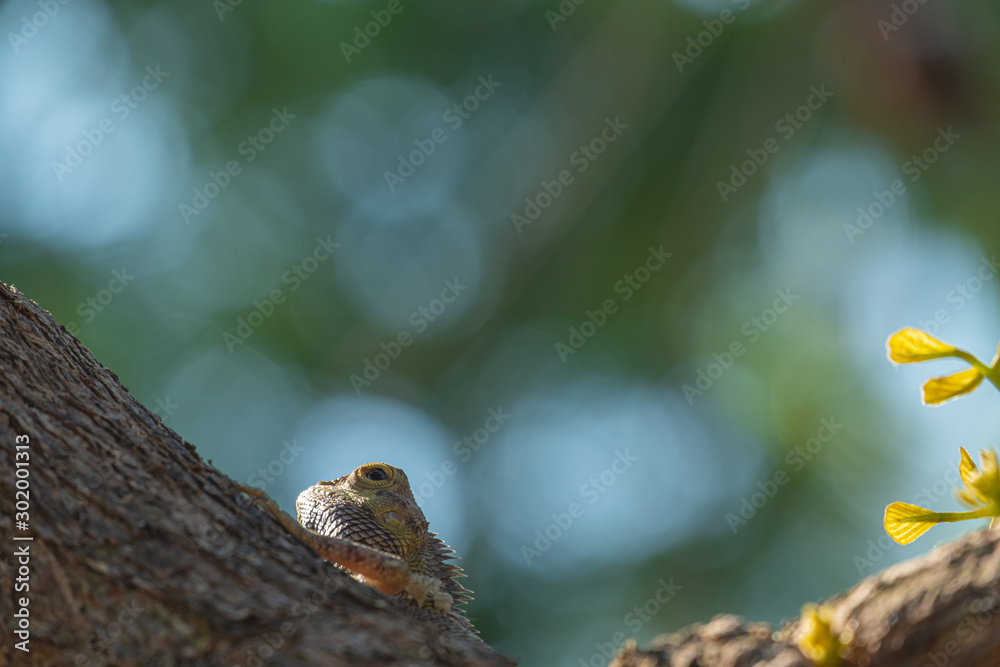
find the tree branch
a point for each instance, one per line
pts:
(938, 610)
(143, 554)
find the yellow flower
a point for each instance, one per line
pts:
(982, 487)
(818, 642)
(909, 346)
(905, 523)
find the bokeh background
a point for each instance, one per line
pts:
(169, 166)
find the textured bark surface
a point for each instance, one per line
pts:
(939, 610)
(144, 554)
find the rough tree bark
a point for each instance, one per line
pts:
(939, 610)
(143, 554)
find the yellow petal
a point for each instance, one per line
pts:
(967, 467)
(939, 390)
(990, 465)
(905, 522)
(910, 345)
(971, 497)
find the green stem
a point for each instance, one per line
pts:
(991, 373)
(994, 374)
(949, 517)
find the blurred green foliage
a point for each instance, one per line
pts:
(695, 127)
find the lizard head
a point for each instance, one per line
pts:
(383, 494)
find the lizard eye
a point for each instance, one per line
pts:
(376, 475)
